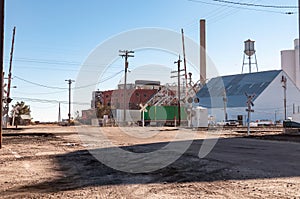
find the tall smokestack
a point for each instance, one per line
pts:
(202, 52)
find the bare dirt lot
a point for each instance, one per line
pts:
(57, 162)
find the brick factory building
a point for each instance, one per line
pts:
(139, 93)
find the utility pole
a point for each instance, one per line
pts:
(284, 85)
(59, 113)
(249, 110)
(225, 105)
(126, 54)
(1, 65)
(178, 76)
(69, 114)
(184, 59)
(9, 77)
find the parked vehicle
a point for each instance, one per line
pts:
(64, 122)
(265, 123)
(291, 124)
(228, 123)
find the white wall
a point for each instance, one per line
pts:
(271, 99)
(268, 105)
(297, 66)
(296, 117)
(290, 63)
(232, 113)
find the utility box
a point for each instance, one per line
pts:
(132, 116)
(199, 117)
(95, 122)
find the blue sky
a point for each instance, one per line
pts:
(54, 37)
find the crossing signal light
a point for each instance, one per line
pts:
(9, 100)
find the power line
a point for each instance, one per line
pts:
(101, 81)
(37, 84)
(257, 5)
(48, 101)
(48, 93)
(41, 61)
(243, 7)
(61, 88)
(227, 12)
(55, 64)
(221, 12)
(46, 107)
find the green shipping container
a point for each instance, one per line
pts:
(164, 113)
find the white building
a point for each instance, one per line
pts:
(268, 100)
(290, 63)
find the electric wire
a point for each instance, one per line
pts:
(243, 7)
(56, 62)
(40, 85)
(61, 88)
(221, 16)
(257, 5)
(48, 93)
(48, 101)
(221, 12)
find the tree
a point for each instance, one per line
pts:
(20, 108)
(102, 110)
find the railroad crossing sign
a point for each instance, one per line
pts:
(15, 111)
(143, 110)
(249, 99)
(249, 109)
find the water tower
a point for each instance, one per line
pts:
(250, 52)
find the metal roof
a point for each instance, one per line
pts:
(211, 95)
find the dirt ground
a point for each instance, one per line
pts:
(54, 162)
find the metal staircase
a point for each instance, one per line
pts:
(165, 96)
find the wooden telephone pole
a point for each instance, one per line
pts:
(1, 65)
(70, 83)
(126, 54)
(178, 76)
(9, 78)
